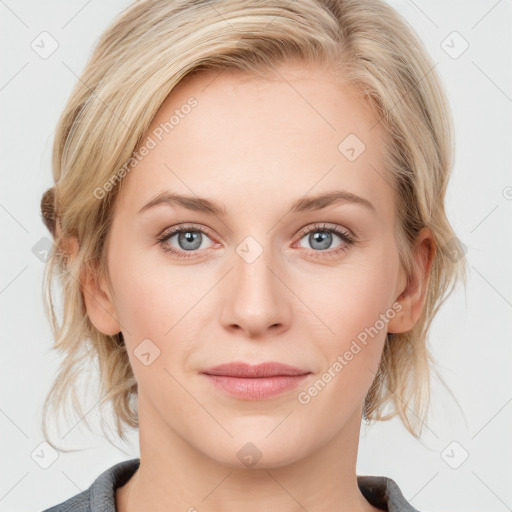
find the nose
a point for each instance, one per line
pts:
(257, 300)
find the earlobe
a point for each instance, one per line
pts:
(100, 305)
(412, 299)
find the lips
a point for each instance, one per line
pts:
(255, 382)
(245, 370)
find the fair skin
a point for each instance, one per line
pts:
(254, 146)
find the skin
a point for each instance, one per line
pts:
(254, 145)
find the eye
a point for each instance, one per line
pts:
(320, 239)
(189, 239)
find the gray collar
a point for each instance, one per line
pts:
(380, 491)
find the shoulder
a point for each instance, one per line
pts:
(383, 492)
(101, 494)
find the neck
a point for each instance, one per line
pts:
(174, 476)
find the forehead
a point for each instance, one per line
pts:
(251, 137)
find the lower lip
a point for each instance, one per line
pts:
(256, 388)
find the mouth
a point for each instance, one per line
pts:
(255, 382)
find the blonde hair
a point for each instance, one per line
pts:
(139, 60)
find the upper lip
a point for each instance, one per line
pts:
(267, 369)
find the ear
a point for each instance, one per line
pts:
(412, 298)
(97, 297)
(99, 303)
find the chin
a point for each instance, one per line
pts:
(257, 451)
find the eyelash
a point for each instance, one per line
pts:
(344, 235)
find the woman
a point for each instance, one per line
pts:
(250, 232)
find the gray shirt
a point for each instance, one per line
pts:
(380, 491)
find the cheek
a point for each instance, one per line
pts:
(354, 309)
(162, 303)
(345, 301)
(143, 300)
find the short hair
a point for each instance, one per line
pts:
(141, 57)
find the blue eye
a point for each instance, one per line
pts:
(321, 237)
(190, 239)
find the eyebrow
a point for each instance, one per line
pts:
(305, 204)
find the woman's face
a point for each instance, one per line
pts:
(250, 283)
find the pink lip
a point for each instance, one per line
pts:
(255, 382)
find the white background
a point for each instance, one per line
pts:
(470, 337)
